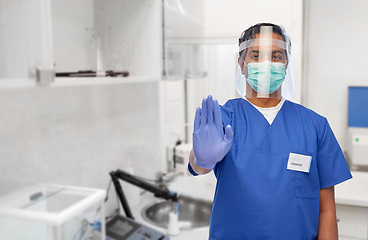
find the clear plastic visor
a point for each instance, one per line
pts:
(263, 65)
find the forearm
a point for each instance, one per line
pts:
(195, 167)
(327, 226)
(327, 215)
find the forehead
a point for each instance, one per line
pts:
(268, 36)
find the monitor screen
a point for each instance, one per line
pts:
(358, 107)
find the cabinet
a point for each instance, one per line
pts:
(25, 38)
(147, 38)
(70, 36)
(352, 207)
(352, 221)
(119, 35)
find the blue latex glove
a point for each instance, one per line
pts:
(210, 144)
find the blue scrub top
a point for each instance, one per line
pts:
(256, 196)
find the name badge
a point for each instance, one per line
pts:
(298, 162)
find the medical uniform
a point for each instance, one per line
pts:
(256, 196)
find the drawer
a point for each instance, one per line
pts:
(352, 221)
(348, 238)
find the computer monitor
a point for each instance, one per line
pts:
(357, 132)
(358, 107)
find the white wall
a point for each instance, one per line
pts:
(226, 19)
(77, 135)
(336, 48)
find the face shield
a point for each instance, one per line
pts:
(265, 66)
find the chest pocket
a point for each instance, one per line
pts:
(306, 185)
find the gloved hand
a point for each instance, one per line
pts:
(210, 144)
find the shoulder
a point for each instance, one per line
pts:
(228, 109)
(304, 111)
(311, 120)
(233, 102)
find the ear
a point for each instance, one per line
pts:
(243, 67)
(240, 62)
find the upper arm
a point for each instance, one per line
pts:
(332, 166)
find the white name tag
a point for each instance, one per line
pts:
(298, 162)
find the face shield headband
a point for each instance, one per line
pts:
(265, 42)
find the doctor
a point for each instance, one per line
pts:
(276, 162)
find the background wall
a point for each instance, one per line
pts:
(335, 52)
(77, 135)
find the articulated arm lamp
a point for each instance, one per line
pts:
(158, 192)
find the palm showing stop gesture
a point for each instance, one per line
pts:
(210, 143)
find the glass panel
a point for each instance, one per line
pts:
(185, 60)
(183, 32)
(37, 200)
(19, 195)
(59, 201)
(40, 198)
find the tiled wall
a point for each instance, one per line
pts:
(76, 135)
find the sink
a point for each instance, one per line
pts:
(193, 213)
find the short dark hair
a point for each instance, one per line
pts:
(251, 32)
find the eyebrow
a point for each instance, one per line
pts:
(275, 51)
(278, 51)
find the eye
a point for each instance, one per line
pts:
(277, 57)
(254, 56)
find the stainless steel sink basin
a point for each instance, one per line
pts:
(193, 213)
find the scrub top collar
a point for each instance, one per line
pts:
(269, 113)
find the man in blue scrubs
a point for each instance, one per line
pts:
(276, 162)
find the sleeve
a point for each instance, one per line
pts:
(227, 115)
(190, 169)
(332, 166)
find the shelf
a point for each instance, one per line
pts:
(66, 81)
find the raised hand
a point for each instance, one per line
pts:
(210, 143)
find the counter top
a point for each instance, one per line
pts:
(354, 191)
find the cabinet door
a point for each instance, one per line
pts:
(25, 38)
(352, 221)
